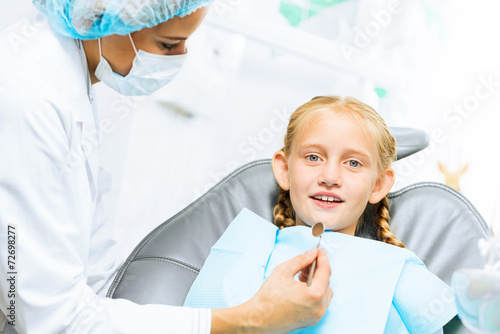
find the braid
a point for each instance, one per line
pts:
(283, 211)
(381, 214)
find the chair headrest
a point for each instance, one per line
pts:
(409, 141)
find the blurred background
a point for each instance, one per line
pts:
(430, 65)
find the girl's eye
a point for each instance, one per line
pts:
(353, 163)
(313, 158)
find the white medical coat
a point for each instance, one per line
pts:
(50, 192)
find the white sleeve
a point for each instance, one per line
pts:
(44, 288)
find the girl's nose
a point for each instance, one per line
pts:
(330, 175)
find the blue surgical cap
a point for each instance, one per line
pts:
(91, 19)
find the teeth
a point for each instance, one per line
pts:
(327, 198)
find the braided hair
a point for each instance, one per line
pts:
(283, 213)
(381, 213)
(303, 117)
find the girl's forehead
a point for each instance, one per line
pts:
(332, 119)
(341, 132)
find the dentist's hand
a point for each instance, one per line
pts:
(282, 304)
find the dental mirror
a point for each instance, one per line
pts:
(317, 230)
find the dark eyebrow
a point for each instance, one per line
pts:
(169, 37)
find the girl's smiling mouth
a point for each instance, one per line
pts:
(326, 200)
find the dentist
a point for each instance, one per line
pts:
(57, 255)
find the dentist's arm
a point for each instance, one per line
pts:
(282, 304)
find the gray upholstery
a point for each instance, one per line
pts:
(439, 224)
(163, 266)
(409, 140)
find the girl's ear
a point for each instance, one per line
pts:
(384, 183)
(280, 170)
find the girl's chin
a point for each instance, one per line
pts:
(349, 229)
(329, 225)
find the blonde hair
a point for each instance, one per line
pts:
(309, 113)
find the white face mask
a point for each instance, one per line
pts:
(149, 72)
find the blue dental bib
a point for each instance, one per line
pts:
(377, 287)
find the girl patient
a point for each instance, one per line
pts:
(336, 162)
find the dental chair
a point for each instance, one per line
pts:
(435, 221)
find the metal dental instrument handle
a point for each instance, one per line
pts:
(317, 231)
